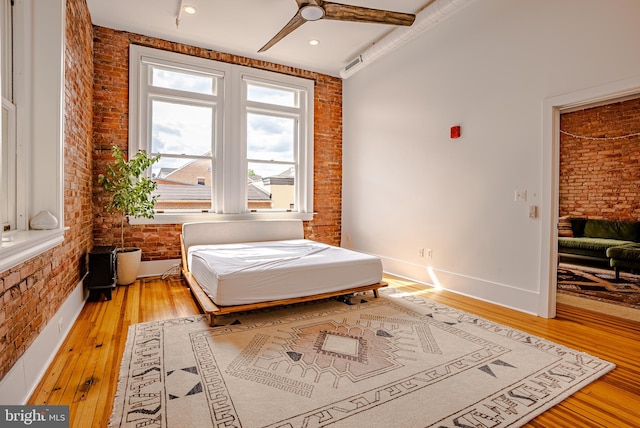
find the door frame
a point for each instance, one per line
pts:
(552, 108)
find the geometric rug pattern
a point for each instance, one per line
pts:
(399, 360)
(600, 284)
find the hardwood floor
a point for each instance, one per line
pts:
(84, 373)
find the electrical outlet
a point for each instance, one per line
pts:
(429, 252)
(421, 252)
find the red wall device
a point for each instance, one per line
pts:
(455, 132)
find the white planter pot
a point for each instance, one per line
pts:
(128, 265)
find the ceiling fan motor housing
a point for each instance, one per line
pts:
(312, 12)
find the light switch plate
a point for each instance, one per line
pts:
(520, 195)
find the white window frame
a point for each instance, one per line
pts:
(229, 147)
(7, 177)
(38, 94)
(148, 93)
(8, 171)
(298, 113)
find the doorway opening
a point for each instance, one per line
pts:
(599, 187)
(554, 108)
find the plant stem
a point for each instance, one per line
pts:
(122, 231)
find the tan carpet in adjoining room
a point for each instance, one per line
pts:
(399, 360)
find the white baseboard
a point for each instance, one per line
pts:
(18, 385)
(499, 294)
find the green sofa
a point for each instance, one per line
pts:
(612, 241)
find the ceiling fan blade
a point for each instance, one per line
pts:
(302, 3)
(345, 12)
(294, 23)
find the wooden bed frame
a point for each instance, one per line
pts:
(213, 310)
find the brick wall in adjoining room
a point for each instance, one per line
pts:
(601, 178)
(32, 292)
(110, 108)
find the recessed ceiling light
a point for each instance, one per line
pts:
(314, 42)
(189, 9)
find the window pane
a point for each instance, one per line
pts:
(271, 186)
(271, 95)
(181, 129)
(183, 183)
(183, 81)
(270, 137)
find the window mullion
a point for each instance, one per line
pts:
(272, 108)
(184, 96)
(234, 151)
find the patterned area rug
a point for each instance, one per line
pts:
(600, 284)
(399, 360)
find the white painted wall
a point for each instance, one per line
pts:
(489, 68)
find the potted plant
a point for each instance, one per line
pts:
(131, 196)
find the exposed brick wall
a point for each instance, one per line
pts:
(601, 178)
(327, 182)
(31, 293)
(111, 81)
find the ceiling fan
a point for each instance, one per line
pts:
(314, 10)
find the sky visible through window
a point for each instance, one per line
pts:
(270, 137)
(182, 128)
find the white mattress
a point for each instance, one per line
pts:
(251, 272)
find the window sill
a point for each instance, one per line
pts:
(19, 246)
(185, 217)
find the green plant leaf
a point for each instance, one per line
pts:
(130, 189)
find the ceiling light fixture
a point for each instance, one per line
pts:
(189, 9)
(312, 12)
(314, 42)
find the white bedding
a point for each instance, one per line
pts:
(252, 272)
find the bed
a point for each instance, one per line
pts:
(234, 266)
